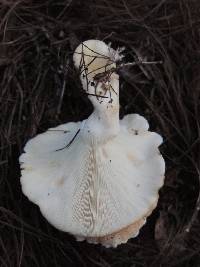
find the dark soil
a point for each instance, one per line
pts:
(40, 89)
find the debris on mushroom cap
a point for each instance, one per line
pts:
(97, 179)
(95, 60)
(93, 57)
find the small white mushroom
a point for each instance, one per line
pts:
(97, 179)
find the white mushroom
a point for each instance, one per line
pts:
(97, 179)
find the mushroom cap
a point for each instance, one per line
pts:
(94, 192)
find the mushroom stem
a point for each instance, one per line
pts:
(101, 127)
(103, 123)
(93, 58)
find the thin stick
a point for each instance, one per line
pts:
(69, 142)
(130, 64)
